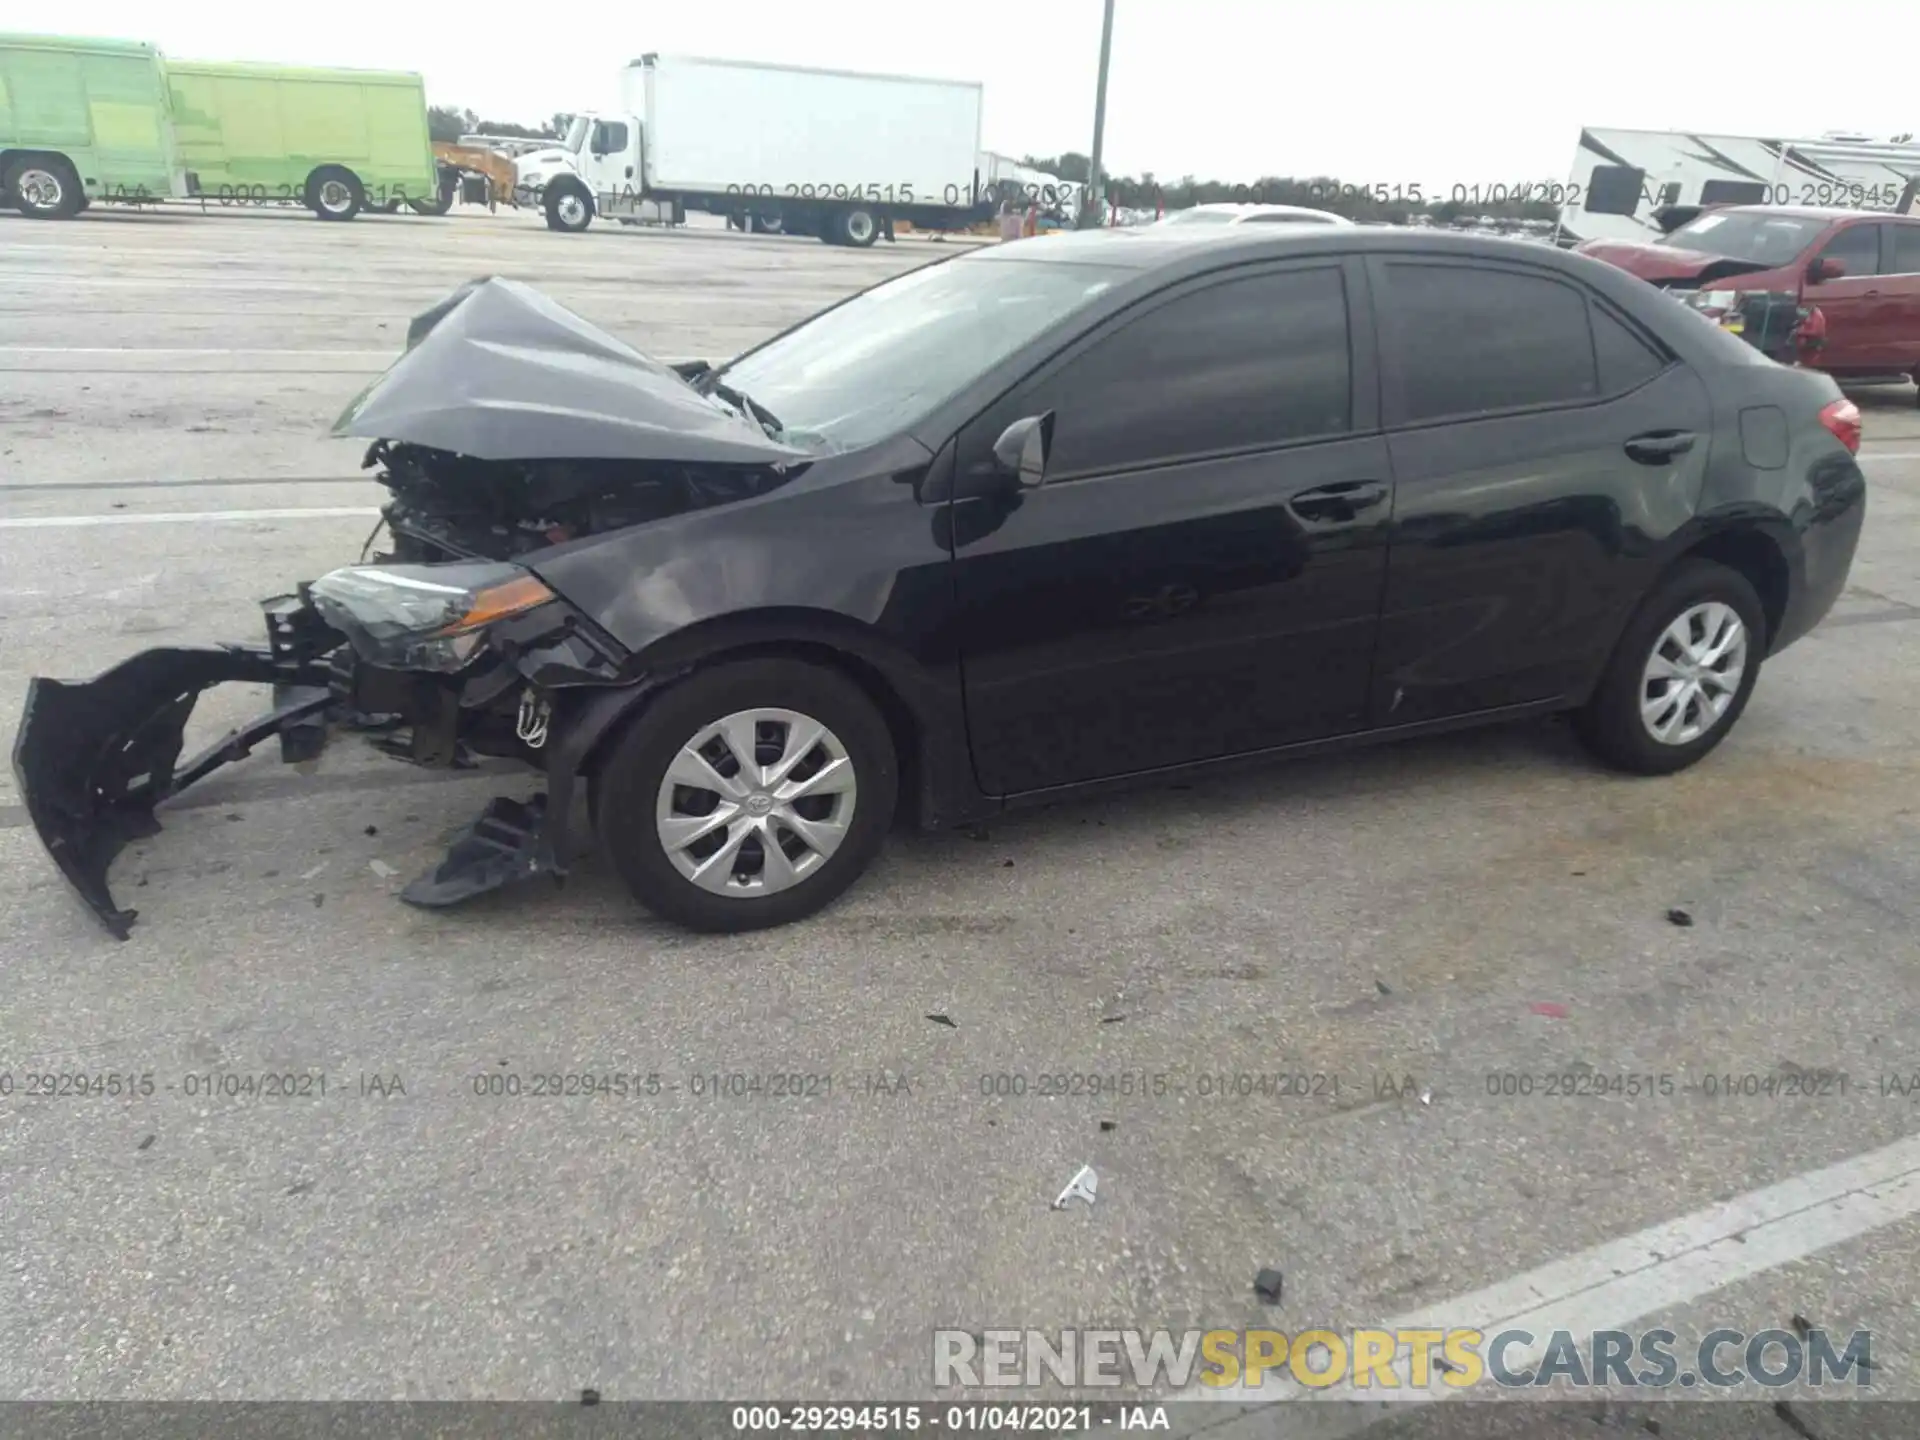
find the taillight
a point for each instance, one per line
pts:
(1842, 418)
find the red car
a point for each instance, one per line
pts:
(1837, 290)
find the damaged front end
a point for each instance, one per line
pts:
(508, 426)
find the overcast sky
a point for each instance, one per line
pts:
(1375, 91)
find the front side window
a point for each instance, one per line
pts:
(609, 137)
(1472, 341)
(1856, 249)
(1241, 364)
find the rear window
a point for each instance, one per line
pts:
(1763, 238)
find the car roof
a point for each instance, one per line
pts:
(1809, 212)
(1154, 247)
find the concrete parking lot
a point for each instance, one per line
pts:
(1394, 931)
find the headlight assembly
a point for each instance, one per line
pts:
(423, 617)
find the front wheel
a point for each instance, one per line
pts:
(569, 208)
(748, 796)
(1681, 674)
(44, 188)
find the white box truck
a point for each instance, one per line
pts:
(830, 153)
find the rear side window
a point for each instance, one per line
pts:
(1906, 250)
(1625, 359)
(1857, 248)
(1258, 361)
(1473, 341)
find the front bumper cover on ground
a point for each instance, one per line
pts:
(94, 758)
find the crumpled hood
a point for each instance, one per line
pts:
(498, 371)
(1667, 262)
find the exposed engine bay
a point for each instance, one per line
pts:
(454, 507)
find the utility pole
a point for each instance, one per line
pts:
(1096, 207)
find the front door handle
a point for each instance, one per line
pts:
(1342, 501)
(1657, 447)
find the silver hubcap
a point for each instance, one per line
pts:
(859, 226)
(334, 195)
(572, 209)
(40, 189)
(756, 802)
(1693, 673)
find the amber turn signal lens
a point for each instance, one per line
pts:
(497, 602)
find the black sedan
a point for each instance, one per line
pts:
(1057, 514)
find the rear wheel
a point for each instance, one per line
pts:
(1681, 674)
(748, 796)
(44, 187)
(335, 193)
(857, 227)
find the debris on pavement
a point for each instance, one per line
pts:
(943, 1020)
(589, 1396)
(318, 901)
(146, 1143)
(1426, 1097)
(1006, 864)
(382, 869)
(1382, 986)
(1677, 916)
(1081, 1187)
(1552, 1009)
(372, 830)
(1267, 1285)
(1107, 1127)
(1112, 1019)
(309, 874)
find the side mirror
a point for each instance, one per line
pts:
(1022, 449)
(1822, 270)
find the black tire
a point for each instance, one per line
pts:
(1610, 723)
(627, 788)
(569, 207)
(442, 201)
(857, 227)
(334, 192)
(38, 173)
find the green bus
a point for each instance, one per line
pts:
(83, 120)
(336, 141)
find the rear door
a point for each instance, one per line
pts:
(1861, 315)
(1200, 575)
(1542, 445)
(1902, 288)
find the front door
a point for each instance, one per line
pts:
(1859, 305)
(1543, 447)
(611, 166)
(1201, 573)
(1902, 286)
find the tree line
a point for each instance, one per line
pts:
(1391, 204)
(449, 123)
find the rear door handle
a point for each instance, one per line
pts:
(1342, 501)
(1657, 447)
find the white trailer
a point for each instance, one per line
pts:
(1621, 179)
(830, 153)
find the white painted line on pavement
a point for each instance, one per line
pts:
(168, 350)
(1889, 455)
(1611, 1285)
(183, 517)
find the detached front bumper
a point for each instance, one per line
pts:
(94, 758)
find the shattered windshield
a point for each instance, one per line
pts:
(1762, 238)
(876, 364)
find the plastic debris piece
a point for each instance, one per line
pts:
(382, 869)
(1677, 916)
(1081, 1187)
(1383, 987)
(1107, 1127)
(1552, 1009)
(1426, 1097)
(943, 1020)
(1268, 1285)
(1112, 1019)
(146, 1143)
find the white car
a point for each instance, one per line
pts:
(1228, 214)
